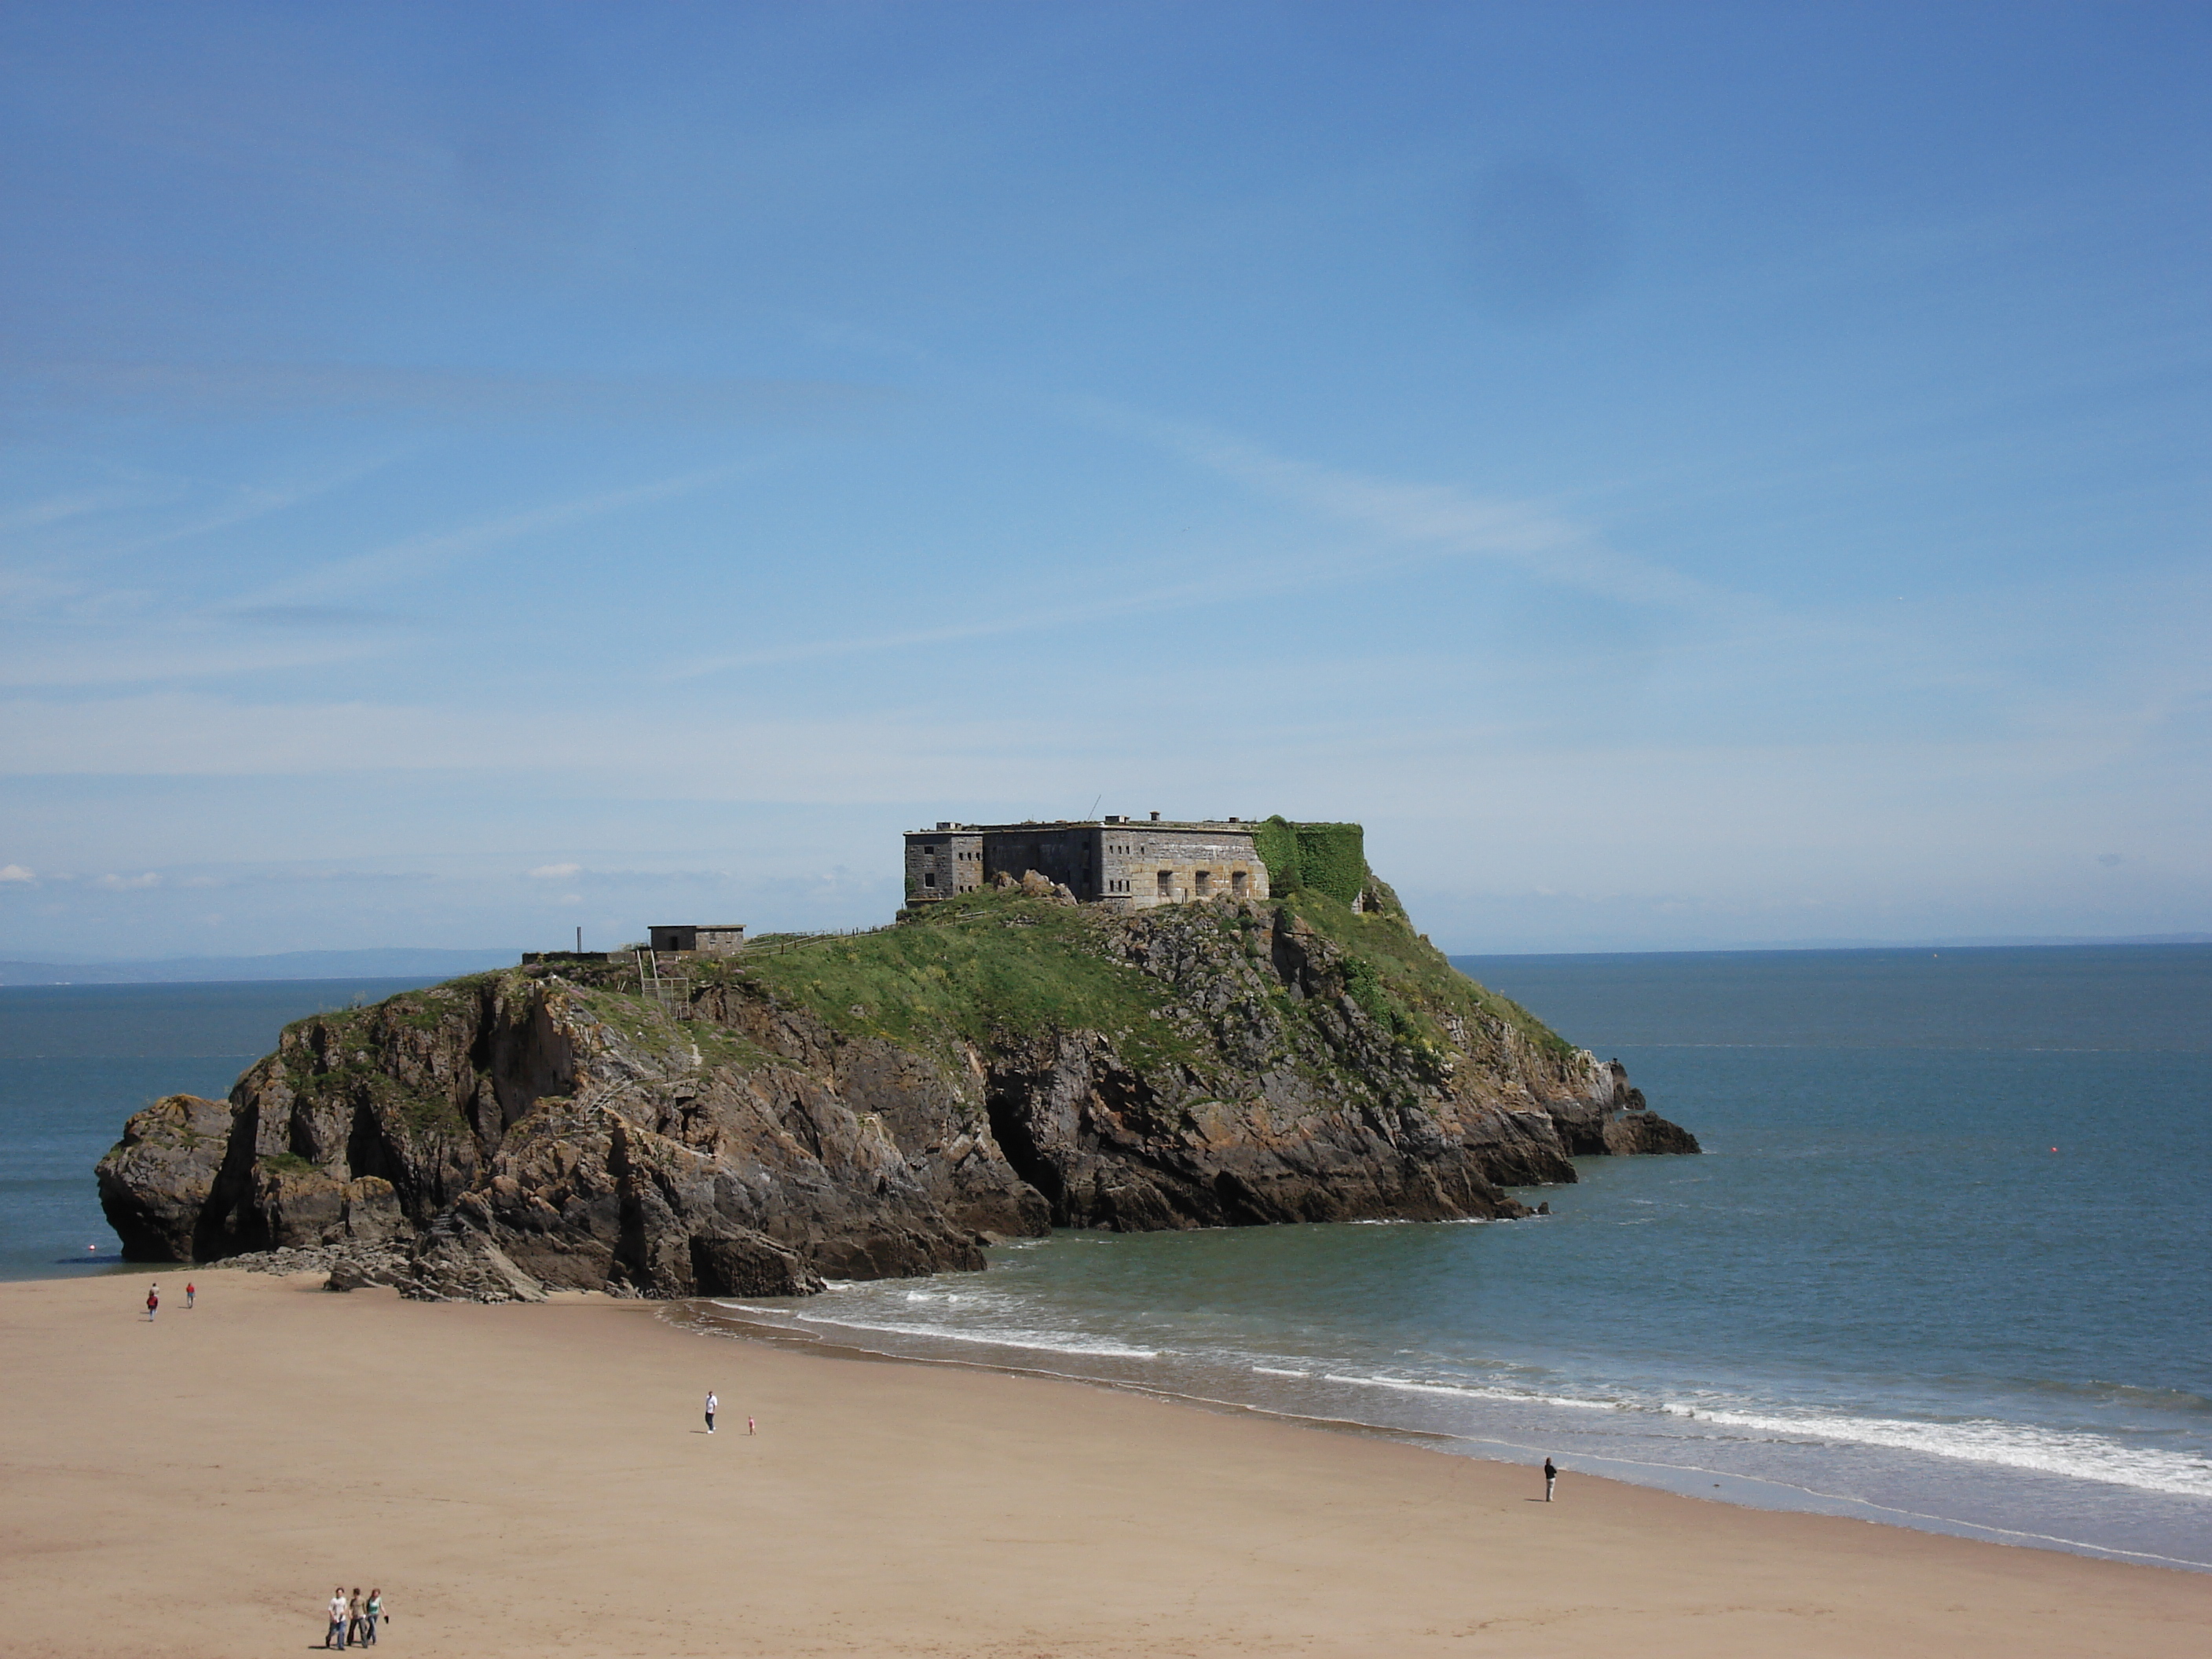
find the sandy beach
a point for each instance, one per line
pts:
(532, 1479)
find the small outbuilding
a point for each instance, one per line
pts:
(701, 939)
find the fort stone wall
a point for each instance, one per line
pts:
(1142, 865)
(943, 862)
(1128, 864)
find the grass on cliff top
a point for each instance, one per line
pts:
(970, 966)
(422, 1009)
(1414, 970)
(986, 962)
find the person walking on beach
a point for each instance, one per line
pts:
(370, 1615)
(1551, 1479)
(152, 1302)
(711, 1403)
(336, 1636)
(749, 1426)
(356, 1616)
(190, 1292)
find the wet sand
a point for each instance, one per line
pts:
(536, 1480)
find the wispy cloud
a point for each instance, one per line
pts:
(79, 645)
(319, 616)
(106, 527)
(1227, 584)
(53, 510)
(262, 391)
(1394, 525)
(176, 652)
(1440, 520)
(416, 555)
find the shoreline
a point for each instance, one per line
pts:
(536, 1479)
(1735, 1490)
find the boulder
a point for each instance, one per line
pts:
(459, 1266)
(736, 1262)
(155, 1181)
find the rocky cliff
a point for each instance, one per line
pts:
(881, 1104)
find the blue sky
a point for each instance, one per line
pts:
(1680, 474)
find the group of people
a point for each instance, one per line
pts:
(354, 1619)
(154, 1299)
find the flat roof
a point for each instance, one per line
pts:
(1236, 826)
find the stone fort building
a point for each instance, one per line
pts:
(1126, 863)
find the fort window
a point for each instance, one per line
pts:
(1236, 881)
(1200, 880)
(929, 878)
(1167, 879)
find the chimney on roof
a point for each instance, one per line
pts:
(1156, 817)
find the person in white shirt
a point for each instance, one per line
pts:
(336, 1637)
(710, 1411)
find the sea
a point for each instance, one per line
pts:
(1946, 1261)
(76, 1060)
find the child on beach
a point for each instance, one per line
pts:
(190, 1292)
(152, 1302)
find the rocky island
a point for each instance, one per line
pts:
(1001, 1061)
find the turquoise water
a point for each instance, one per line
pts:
(75, 1060)
(1946, 1261)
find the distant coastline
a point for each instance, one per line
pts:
(397, 963)
(404, 963)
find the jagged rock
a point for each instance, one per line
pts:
(459, 1266)
(355, 1270)
(741, 1263)
(348, 1266)
(1002, 1062)
(1647, 1134)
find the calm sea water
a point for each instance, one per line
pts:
(1946, 1261)
(75, 1060)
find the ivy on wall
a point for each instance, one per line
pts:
(1332, 859)
(1322, 858)
(1276, 841)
